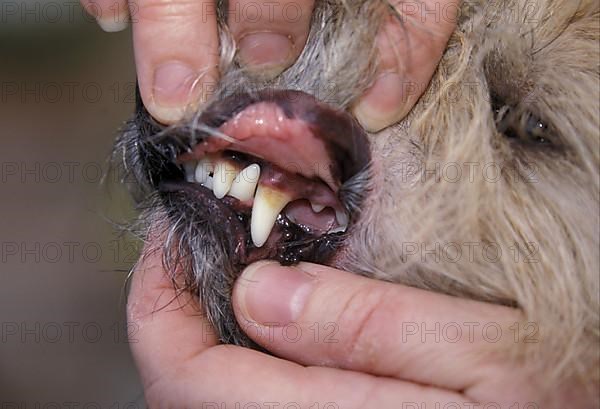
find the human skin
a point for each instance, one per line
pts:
(348, 345)
(177, 50)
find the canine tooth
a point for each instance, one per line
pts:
(268, 203)
(245, 182)
(223, 177)
(316, 207)
(208, 183)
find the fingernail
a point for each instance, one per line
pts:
(266, 52)
(174, 89)
(110, 20)
(383, 104)
(272, 295)
(113, 24)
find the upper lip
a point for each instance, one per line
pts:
(343, 140)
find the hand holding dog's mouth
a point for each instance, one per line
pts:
(177, 42)
(344, 339)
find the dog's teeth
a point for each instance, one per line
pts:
(342, 218)
(208, 183)
(245, 182)
(316, 207)
(190, 169)
(268, 203)
(223, 177)
(203, 170)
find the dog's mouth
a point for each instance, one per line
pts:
(277, 174)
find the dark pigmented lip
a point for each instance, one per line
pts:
(287, 244)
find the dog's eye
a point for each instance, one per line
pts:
(534, 129)
(520, 125)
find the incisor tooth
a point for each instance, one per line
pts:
(316, 207)
(342, 219)
(223, 177)
(245, 182)
(268, 203)
(203, 170)
(208, 183)
(190, 169)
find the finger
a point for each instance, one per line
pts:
(111, 15)
(228, 376)
(410, 46)
(181, 366)
(270, 35)
(317, 315)
(176, 54)
(166, 328)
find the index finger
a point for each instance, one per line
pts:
(316, 315)
(411, 43)
(170, 327)
(176, 49)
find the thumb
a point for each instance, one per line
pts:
(301, 312)
(317, 315)
(270, 295)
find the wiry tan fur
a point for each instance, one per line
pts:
(548, 63)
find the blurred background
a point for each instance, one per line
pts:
(66, 88)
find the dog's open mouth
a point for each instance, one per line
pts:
(274, 172)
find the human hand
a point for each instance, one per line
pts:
(410, 44)
(176, 44)
(177, 49)
(342, 341)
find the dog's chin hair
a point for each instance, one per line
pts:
(193, 257)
